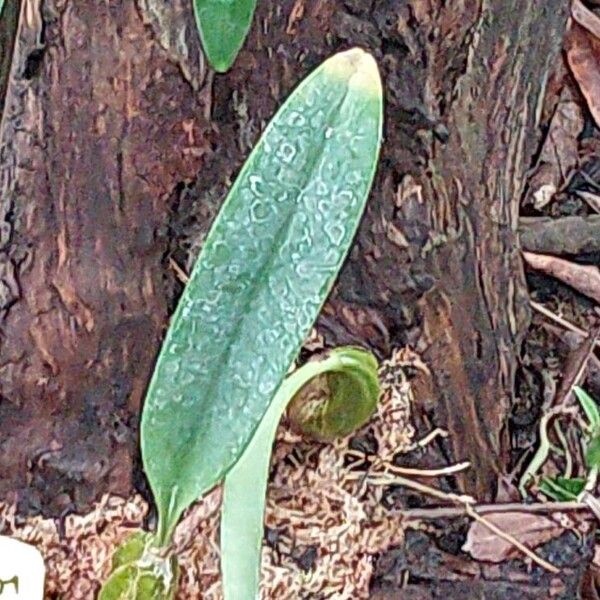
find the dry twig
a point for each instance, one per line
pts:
(179, 272)
(583, 278)
(567, 235)
(468, 504)
(510, 539)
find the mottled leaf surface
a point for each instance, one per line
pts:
(265, 270)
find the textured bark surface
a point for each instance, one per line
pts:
(436, 261)
(8, 31)
(473, 314)
(100, 126)
(117, 148)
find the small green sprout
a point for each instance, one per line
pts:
(347, 404)
(564, 488)
(141, 572)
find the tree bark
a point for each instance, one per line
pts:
(101, 124)
(116, 149)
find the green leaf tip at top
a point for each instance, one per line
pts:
(223, 26)
(266, 268)
(359, 68)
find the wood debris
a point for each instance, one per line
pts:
(584, 278)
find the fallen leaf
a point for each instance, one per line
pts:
(585, 17)
(596, 559)
(560, 151)
(583, 56)
(530, 529)
(584, 278)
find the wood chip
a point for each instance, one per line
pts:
(584, 278)
(567, 235)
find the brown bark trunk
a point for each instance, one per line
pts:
(100, 126)
(109, 117)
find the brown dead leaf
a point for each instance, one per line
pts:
(530, 529)
(574, 369)
(583, 278)
(585, 17)
(560, 151)
(583, 55)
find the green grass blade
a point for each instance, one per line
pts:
(246, 484)
(223, 27)
(265, 270)
(592, 453)
(589, 406)
(562, 489)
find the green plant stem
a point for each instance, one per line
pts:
(246, 485)
(540, 456)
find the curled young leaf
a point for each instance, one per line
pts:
(265, 270)
(354, 398)
(337, 402)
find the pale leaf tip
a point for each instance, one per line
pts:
(359, 68)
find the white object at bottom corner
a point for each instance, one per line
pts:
(22, 571)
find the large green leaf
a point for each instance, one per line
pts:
(265, 270)
(223, 27)
(352, 398)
